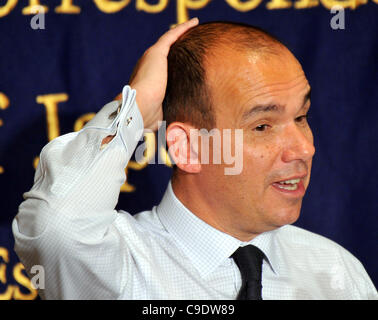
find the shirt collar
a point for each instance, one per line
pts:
(205, 246)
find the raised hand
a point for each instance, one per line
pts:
(150, 74)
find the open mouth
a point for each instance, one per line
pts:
(288, 184)
(292, 187)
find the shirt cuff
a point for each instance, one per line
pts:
(132, 126)
(121, 118)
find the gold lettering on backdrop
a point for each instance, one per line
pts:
(149, 152)
(278, 4)
(12, 290)
(184, 5)
(35, 162)
(30, 10)
(67, 7)
(25, 282)
(304, 4)
(108, 6)
(7, 295)
(164, 156)
(4, 103)
(4, 254)
(244, 6)
(142, 5)
(352, 4)
(111, 6)
(50, 101)
(8, 7)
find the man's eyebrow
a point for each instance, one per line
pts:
(262, 109)
(271, 108)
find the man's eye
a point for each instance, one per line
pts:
(261, 127)
(301, 118)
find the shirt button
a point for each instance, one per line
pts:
(128, 120)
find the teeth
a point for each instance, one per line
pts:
(292, 181)
(293, 187)
(289, 184)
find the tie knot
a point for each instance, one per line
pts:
(249, 261)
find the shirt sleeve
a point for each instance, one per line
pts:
(66, 222)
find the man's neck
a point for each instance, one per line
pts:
(190, 194)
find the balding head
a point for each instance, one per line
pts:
(188, 96)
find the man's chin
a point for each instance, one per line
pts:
(286, 216)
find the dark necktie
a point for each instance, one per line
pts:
(249, 260)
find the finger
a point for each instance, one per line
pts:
(168, 38)
(172, 35)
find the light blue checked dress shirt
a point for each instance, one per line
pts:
(68, 225)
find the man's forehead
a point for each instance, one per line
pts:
(254, 66)
(253, 74)
(252, 81)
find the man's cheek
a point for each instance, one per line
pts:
(257, 156)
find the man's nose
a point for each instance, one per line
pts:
(298, 144)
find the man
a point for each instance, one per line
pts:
(214, 235)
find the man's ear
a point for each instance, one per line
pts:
(182, 142)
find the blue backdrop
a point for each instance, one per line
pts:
(57, 69)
